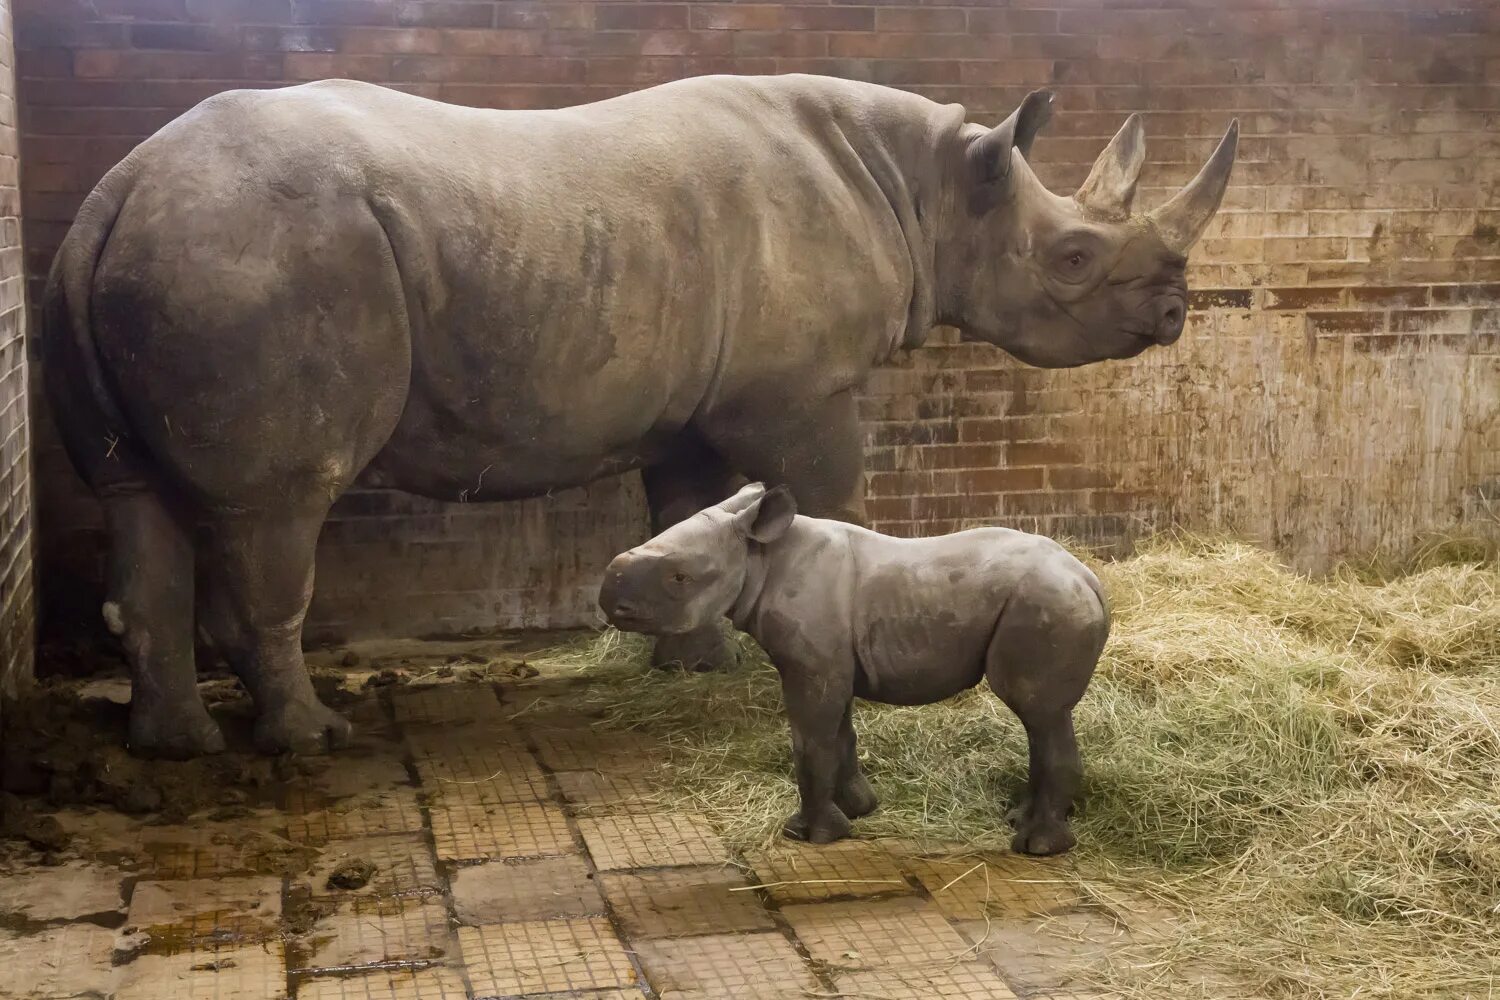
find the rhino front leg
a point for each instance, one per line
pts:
(260, 586)
(692, 478)
(816, 449)
(818, 753)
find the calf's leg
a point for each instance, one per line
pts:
(818, 753)
(149, 605)
(261, 581)
(693, 478)
(1043, 653)
(852, 792)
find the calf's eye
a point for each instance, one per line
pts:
(679, 578)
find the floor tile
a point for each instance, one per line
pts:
(481, 770)
(650, 840)
(371, 931)
(1057, 954)
(724, 966)
(1007, 885)
(969, 981)
(249, 972)
(500, 891)
(544, 956)
(64, 892)
(466, 829)
(444, 703)
(590, 749)
(793, 873)
(58, 963)
(601, 792)
(683, 901)
(403, 867)
(170, 918)
(436, 983)
(865, 934)
(392, 811)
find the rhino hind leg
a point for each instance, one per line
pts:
(149, 606)
(852, 792)
(692, 478)
(1040, 660)
(261, 581)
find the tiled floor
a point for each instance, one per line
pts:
(520, 851)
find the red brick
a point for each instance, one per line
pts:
(1068, 477)
(1345, 322)
(928, 19)
(381, 41)
(828, 18)
(970, 506)
(643, 15)
(1378, 296)
(1003, 480)
(1304, 298)
(543, 14)
(737, 17)
(492, 43)
(444, 14)
(241, 11)
(1041, 453)
(344, 12)
(323, 66)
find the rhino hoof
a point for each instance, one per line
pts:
(1042, 836)
(831, 826)
(303, 727)
(173, 732)
(700, 652)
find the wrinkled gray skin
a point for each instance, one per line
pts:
(284, 290)
(847, 613)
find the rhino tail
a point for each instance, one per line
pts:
(88, 415)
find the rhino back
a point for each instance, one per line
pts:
(578, 283)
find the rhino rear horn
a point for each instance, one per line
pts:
(990, 153)
(1110, 187)
(1181, 221)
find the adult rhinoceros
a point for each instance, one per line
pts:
(283, 290)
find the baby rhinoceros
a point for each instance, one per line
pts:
(844, 612)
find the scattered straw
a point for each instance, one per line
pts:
(1306, 772)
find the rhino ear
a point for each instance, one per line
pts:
(1110, 187)
(767, 517)
(989, 155)
(747, 495)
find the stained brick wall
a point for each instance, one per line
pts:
(1338, 389)
(17, 603)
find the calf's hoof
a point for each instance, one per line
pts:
(1042, 835)
(305, 726)
(701, 652)
(825, 829)
(173, 731)
(857, 798)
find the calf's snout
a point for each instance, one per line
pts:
(621, 597)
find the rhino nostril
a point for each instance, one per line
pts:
(1169, 324)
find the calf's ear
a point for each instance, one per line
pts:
(768, 517)
(744, 498)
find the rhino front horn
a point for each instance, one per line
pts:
(1182, 220)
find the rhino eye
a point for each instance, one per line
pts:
(1073, 263)
(679, 577)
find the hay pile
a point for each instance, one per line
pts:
(1307, 770)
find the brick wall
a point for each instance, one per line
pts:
(1338, 389)
(17, 604)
